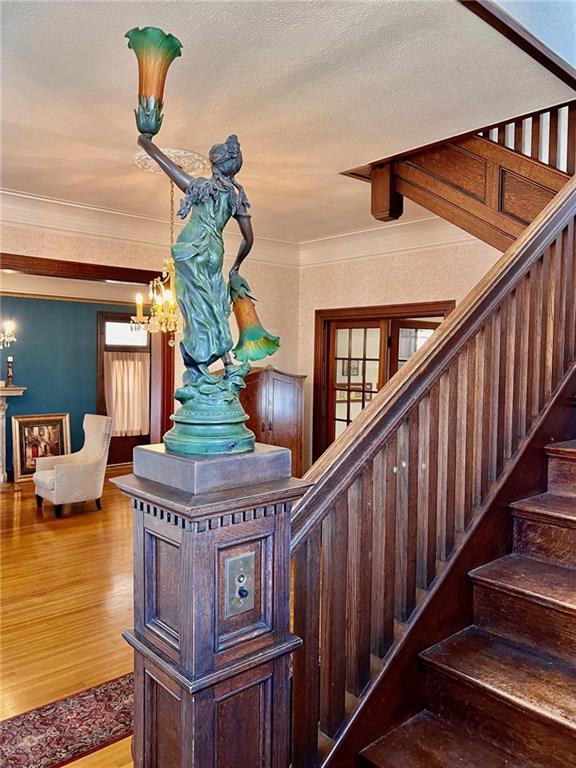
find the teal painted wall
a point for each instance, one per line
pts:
(55, 357)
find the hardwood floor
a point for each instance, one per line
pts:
(66, 597)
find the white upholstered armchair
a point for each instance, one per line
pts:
(76, 476)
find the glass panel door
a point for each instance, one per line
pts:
(357, 370)
(407, 336)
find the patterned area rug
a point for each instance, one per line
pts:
(65, 730)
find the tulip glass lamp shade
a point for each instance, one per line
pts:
(155, 51)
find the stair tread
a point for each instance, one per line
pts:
(549, 504)
(565, 448)
(529, 679)
(428, 741)
(542, 581)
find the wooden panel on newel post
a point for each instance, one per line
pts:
(211, 633)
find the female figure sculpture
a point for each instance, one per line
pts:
(203, 298)
(211, 419)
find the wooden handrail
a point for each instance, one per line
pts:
(398, 491)
(343, 459)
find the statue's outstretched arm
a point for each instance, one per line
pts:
(173, 171)
(245, 224)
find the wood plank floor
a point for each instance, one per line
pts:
(66, 597)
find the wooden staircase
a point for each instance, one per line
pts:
(408, 500)
(502, 692)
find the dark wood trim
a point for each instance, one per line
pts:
(322, 357)
(512, 30)
(397, 693)
(74, 270)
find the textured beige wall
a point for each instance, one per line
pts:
(394, 278)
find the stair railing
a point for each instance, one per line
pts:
(548, 136)
(391, 495)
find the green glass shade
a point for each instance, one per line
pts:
(155, 51)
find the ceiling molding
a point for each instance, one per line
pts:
(46, 213)
(421, 234)
(426, 233)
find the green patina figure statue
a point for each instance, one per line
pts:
(211, 419)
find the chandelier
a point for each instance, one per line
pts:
(163, 314)
(7, 335)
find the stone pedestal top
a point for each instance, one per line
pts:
(204, 474)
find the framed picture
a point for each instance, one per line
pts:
(43, 434)
(354, 366)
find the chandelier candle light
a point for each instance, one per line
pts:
(7, 335)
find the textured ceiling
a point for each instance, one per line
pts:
(311, 88)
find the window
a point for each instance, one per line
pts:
(123, 334)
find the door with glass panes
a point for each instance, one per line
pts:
(361, 356)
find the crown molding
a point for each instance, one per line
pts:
(48, 214)
(425, 233)
(35, 211)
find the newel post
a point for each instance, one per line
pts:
(211, 633)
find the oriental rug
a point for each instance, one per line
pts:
(65, 730)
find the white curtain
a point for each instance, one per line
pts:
(127, 391)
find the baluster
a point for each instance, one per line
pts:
(561, 304)
(502, 135)
(545, 350)
(520, 359)
(333, 634)
(407, 516)
(510, 379)
(359, 582)
(552, 320)
(503, 367)
(383, 546)
(495, 357)
(306, 679)
(488, 409)
(570, 295)
(478, 417)
(446, 461)
(534, 343)
(518, 134)
(571, 143)
(427, 488)
(470, 427)
(553, 139)
(535, 140)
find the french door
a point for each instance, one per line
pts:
(357, 350)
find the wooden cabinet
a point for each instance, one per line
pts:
(274, 401)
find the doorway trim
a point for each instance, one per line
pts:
(323, 319)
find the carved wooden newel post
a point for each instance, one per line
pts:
(211, 600)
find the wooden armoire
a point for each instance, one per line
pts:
(274, 401)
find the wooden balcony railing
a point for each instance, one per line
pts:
(394, 494)
(548, 136)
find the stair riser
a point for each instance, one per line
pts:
(554, 543)
(544, 743)
(519, 618)
(561, 475)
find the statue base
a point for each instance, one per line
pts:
(204, 474)
(211, 419)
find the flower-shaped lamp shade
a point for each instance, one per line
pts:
(255, 342)
(155, 51)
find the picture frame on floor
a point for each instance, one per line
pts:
(38, 435)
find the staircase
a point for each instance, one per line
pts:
(413, 496)
(502, 692)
